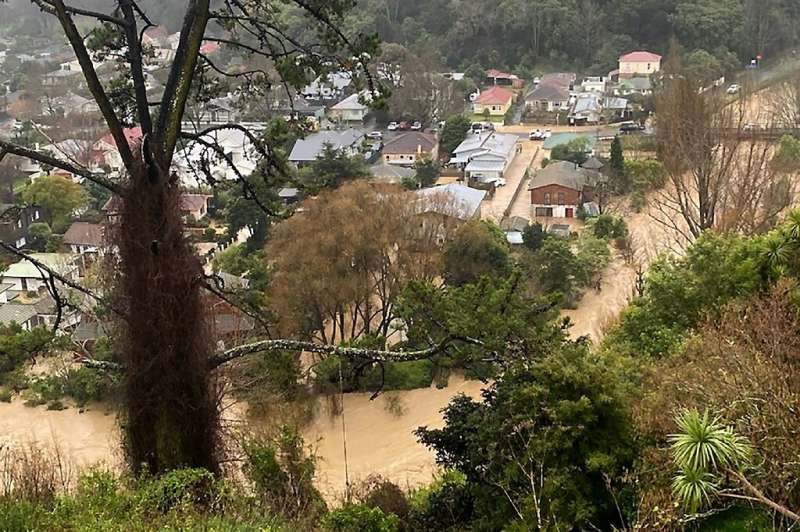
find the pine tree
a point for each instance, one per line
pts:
(617, 167)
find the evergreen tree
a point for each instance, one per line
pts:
(617, 167)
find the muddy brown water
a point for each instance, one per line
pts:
(379, 440)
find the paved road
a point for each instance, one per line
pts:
(493, 209)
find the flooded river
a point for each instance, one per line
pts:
(379, 439)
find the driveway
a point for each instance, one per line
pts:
(493, 209)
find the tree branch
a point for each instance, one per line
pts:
(135, 60)
(22, 151)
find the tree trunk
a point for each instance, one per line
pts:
(172, 414)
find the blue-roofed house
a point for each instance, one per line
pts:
(587, 109)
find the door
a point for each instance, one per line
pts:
(568, 212)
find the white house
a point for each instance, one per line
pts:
(84, 238)
(594, 84)
(308, 149)
(351, 109)
(233, 142)
(24, 276)
(328, 87)
(485, 156)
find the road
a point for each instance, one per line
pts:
(494, 208)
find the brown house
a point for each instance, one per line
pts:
(559, 189)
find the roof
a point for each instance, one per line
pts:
(514, 223)
(459, 200)
(558, 78)
(639, 83)
(209, 47)
(351, 103)
(494, 73)
(587, 103)
(60, 262)
(391, 172)
(495, 95)
(562, 173)
(549, 92)
(592, 163)
(640, 56)
(89, 329)
(411, 142)
(288, 192)
(84, 233)
(563, 138)
(194, 202)
(309, 148)
(231, 282)
(132, 135)
(484, 145)
(16, 312)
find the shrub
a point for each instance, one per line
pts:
(360, 518)
(377, 492)
(5, 395)
(282, 473)
(609, 226)
(86, 385)
(182, 487)
(447, 504)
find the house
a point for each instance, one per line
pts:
(289, 195)
(504, 79)
(594, 84)
(391, 173)
(194, 205)
(453, 201)
(107, 149)
(351, 109)
(84, 238)
(593, 163)
(638, 85)
(69, 104)
(496, 100)
(407, 148)
(234, 143)
(24, 276)
(15, 229)
(558, 189)
(310, 148)
(19, 313)
(76, 150)
(615, 108)
(548, 97)
(638, 63)
(587, 109)
(485, 156)
(218, 110)
(329, 87)
(514, 227)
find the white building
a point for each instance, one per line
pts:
(485, 156)
(25, 276)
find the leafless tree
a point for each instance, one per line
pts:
(719, 171)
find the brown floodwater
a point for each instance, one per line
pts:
(380, 439)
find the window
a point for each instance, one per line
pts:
(547, 198)
(36, 214)
(562, 198)
(19, 223)
(20, 243)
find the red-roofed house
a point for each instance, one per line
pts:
(209, 47)
(639, 63)
(108, 149)
(497, 100)
(497, 77)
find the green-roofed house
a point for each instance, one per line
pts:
(638, 85)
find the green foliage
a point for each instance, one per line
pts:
(5, 395)
(787, 156)
(478, 248)
(563, 419)
(701, 449)
(453, 133)
(577, 151)
(427, 172)
(282, 474)
(18, 345)
(360, 518)
(82, 384)
(534, 236)
(681, 291)
(609, 226)
(446, 504)
(331, 169)
(616, 164)
(59, 197)
(40, 234)
(644, 175)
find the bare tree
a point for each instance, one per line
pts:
(171, 413)
(782, 102)
(719, 173)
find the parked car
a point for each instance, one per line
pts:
(403, 126)
(546, 134)
(536, 134)
(630, 127)
(375, 135)
(393, 126)
(734, 89)
(416, 126)
(500, 182)
(480, 127)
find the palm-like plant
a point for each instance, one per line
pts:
(701, 448)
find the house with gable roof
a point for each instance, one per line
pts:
(496, 100)
(638, 63)
(485, 156)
